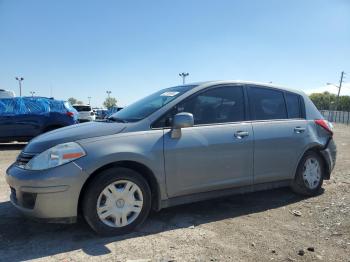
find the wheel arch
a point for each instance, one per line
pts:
(136, 166)
(317, 148)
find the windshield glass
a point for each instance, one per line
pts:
(148, 105)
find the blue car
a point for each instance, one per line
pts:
(23, 118)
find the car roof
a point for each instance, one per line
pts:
(223, 82)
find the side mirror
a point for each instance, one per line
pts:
(181, 120)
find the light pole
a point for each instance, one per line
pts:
(109, 93)
(20, 79)
(89, 97)
(183, 75)
(32, 93)
(339, 88)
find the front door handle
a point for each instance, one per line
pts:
(241, 134)
(299, 129)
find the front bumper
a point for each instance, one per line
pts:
(51, 194)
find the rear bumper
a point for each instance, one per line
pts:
(51, 195)
(330, 155)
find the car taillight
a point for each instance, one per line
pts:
(70, 114)
(325, 125)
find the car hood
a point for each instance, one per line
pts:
(73, 133)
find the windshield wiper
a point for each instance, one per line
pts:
(116, 119)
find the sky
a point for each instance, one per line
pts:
(79, 49)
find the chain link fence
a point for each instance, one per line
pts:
(336, 116)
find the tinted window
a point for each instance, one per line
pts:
(219, 105)
(82, 108)
(267, 103)
(293, 105)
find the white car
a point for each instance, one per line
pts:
(6, 93)
(86, 113)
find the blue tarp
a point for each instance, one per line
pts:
(32, 105)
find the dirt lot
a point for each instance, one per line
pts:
(252, 227)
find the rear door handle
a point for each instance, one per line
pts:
(241, 134)
(299, 129)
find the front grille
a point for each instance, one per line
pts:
(24, 158)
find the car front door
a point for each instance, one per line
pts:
(30, 117)
(217, 152)
(279, 134)
(8, 118)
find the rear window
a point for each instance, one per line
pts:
(267, 103)
(293, 105)
(82, 108)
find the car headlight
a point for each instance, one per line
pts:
(56, 156)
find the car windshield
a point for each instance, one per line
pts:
(148, 105)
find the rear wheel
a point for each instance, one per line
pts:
(309, 176)
(116, 201)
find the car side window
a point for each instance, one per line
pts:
(293, 105)
(33, 107)
(217, 105)
(267, 103)
(8, 107)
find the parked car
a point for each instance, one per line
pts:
(6, 94)
(23, 118)
(179, 145)
(113, 110)
(101, 113)
(86, 113)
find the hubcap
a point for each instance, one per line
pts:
(120, 203)
(312, 173)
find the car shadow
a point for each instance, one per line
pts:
(23, 239)
(12, 146)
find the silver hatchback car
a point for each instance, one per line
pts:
(179, 145)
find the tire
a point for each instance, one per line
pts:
(110, 189)
(300, 184)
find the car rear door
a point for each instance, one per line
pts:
(280, 133)
(217, 152)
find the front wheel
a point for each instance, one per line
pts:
(309, 176)
(116, 201)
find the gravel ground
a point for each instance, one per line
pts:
(253, 227)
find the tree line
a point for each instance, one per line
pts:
(327, 101)
(109, 102)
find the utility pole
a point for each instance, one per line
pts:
(32, 93)
(339, 87)
(20, 79)
(89, 97)
(109, 93)
(183, 75)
